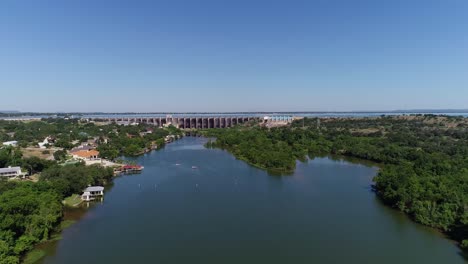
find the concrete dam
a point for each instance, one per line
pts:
(194, 122)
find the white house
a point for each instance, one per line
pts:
(13, 143)
(11, 172)
(92, 192)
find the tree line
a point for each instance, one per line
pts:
(113, 139)
(424, 159)
(31, 211)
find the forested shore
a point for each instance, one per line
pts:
(424, 159)
(31, 211)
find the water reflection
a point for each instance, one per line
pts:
(226, 211)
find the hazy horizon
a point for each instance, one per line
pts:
(201, 112)
(241, 56)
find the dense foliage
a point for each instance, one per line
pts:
(424, 159)
(113, 139)
(10, 156)
(127, 140)
(71, 179)
(30, 212)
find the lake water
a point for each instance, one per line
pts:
(226, 211)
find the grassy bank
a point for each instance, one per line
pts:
(72, 201)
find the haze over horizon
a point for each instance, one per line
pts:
(297, 111)
(208, 56)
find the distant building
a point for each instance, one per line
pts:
(144, 133)
(11, 172)
(86, 154)
(13, 143)
(92, 192)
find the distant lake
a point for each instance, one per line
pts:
(226, 211)
(298, 114)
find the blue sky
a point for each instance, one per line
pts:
(207, 55)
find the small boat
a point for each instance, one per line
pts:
(177, 164)
(194, 167)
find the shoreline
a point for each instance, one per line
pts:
(355, 160)
(39, 251)
(258, 173)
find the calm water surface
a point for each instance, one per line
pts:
(229, 212)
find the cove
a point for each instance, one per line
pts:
(226, 211)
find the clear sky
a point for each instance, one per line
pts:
(239, 55)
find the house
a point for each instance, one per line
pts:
(80, 148)
(92, 192)
(13, 143)
(11, 172)
(144, 133)
(86, 154)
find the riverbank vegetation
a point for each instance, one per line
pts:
(31, 211)
(424, 159)
(113, 139)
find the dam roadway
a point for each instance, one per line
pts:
(194, 122)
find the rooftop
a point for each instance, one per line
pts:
(86, 153)
(94, 189)
(74, 150)
(10, 142)
(10, 169)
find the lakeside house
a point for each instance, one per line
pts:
(12, 143)
(11, 172)
(90, 154)
(92, 192)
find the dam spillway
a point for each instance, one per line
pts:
(183, 122)
(196, 122)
